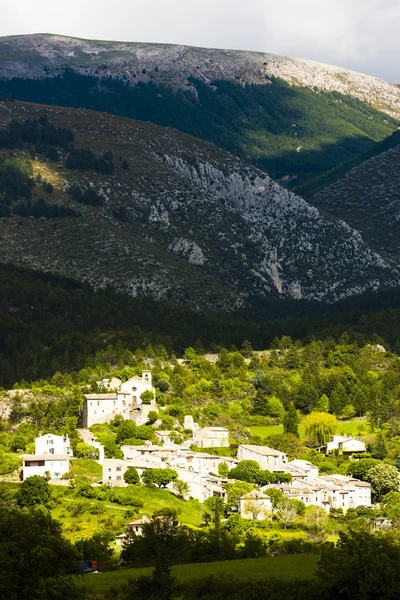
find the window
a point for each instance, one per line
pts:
(109, 470)
(51, 450)
(118, 477)
(118, 468)
(34, 463)
(98, 402)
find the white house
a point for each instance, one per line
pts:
(343, 444)
(302, 469)
(45, 465)
(126, 401)
(114, 469)
(135, 527)
(268, 458)
(51, 458)
(207, 437)
(211, 437)
(53, 444)
(255, 505)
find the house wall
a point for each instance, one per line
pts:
(269, 463)
(56, 468)
(263, 505)
(52, 444)
(209, 437)
(352, 446)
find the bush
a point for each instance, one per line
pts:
(34, 491)
(147, 397)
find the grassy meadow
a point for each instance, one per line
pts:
(300, 566)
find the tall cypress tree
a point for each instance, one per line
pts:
(290, 424)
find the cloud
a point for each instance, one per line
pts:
(359, 34)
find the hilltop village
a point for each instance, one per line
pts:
(134, 400)
(239, 453)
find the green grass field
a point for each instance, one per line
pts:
(115, 517)
(300, 566)
(350, 427)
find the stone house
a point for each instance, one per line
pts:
(268, 458)
(255, 505)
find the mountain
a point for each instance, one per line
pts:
(368, 197)
(295, 119)
(151, 211)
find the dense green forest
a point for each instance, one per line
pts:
(50, 323)
(284, 130)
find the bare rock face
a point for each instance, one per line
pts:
(199, 226)
(38, 56)
(188, 249)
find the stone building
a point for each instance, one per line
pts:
(125, 401)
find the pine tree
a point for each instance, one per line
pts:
(323, 404)
(260, 403)
(290, 423)
(380, 447)
(338, 399)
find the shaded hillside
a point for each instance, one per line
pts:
(294, 119)
(368, 198)
(310, 188)
(162, 214)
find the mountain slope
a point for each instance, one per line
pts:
(311, 188)
(174, 218)
(294, 119)
(368, 197)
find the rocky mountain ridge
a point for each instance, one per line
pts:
(180, 219)
(45, 55)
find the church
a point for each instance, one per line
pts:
(123, 399)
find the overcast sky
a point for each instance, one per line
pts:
(359, 34)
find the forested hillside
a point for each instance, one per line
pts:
(49, 324)
(290, 132)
